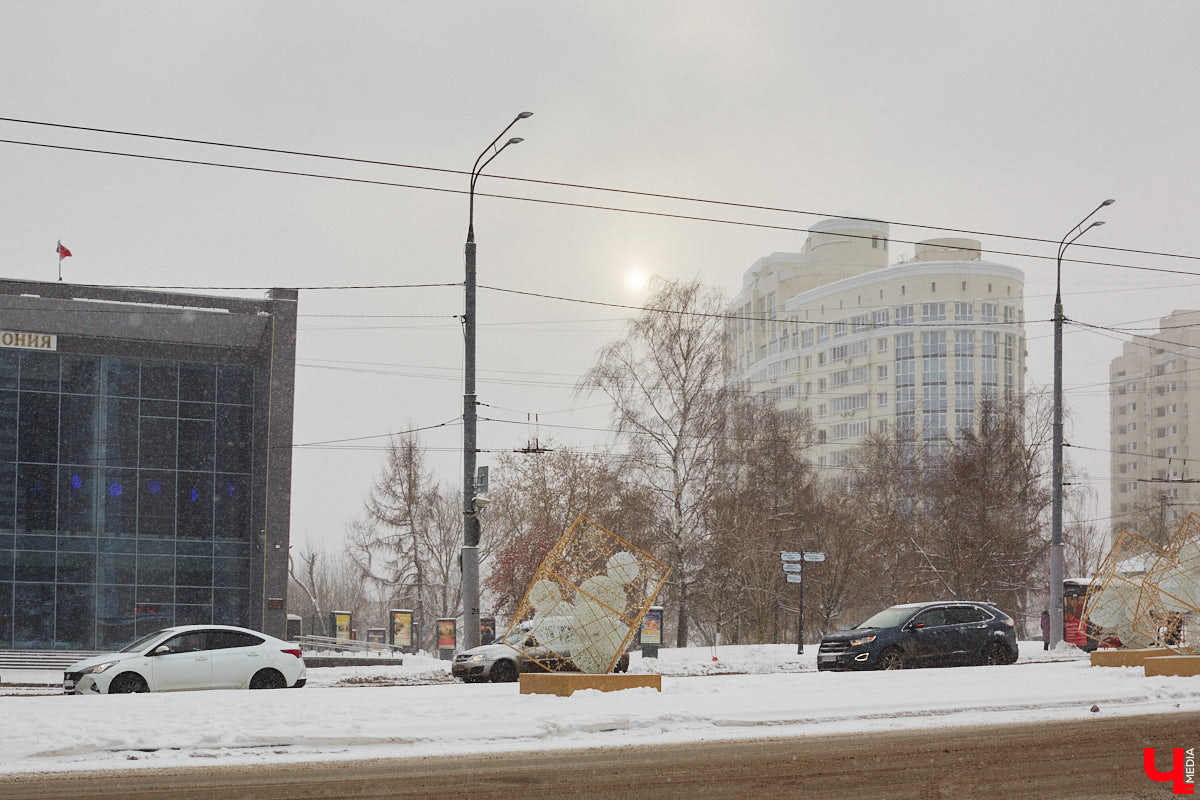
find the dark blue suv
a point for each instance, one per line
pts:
(937, 634)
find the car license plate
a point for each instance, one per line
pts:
(826, 659)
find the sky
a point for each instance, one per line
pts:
(1013, 119)
(744, 691)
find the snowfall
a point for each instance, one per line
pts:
(417, 709)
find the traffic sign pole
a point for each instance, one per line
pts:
(793, 566)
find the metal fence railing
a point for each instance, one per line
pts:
(319, 645)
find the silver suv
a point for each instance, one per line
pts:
(502, 661)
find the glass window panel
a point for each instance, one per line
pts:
(232, 516)
(8, 488)
(156, 571)
(37, 427)
(75, 618)
(76, 501)
(198, 382)
(158, 442)
(194, 519)
(156, 504)
(197, 596)
(114, 616)
(79, 416)
(36, 509)
(119, 487)
(39, 372)
(231, 572)
(235, 385)
(120, 377)
(6, 568)
(160, 380)
(152, 616)
(235, 436)
(33, 615)
(34, 566)
(116, 568)
(232, 607)
(76, 568)
(120, 421)
(81, 374)
(193, 615)
(197, 410)
(6, 620)
(196, 445)
(8, 426)
(159, 408)
(10, 361)
(194, 571)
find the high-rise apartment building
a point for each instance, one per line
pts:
(1149, 394)
(863, 346)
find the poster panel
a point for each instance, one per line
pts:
(402, 627)
(447, 634)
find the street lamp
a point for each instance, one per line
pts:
(1056, 542)
(470, 548)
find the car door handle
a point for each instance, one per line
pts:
(202, 658)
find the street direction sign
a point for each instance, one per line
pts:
(787, 555)
(793, 578)
(814, 556)
(793, 567)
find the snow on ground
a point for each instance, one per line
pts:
(748, 692)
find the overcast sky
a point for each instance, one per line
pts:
(1014, 118)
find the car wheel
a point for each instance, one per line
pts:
(267, 679)
(504, 672)
(892, 658)
(128, 683)
(622, 664)
(996, 654)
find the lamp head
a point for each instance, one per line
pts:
(528, 114)
(1108, 202)
(514, 140)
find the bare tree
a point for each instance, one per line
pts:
(665, 380)
(536, 498)
(759, 505)
(397, 544)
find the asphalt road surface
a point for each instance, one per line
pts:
(1100, 757)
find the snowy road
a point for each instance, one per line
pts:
(50, 733)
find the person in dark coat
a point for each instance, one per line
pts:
(1045, 630)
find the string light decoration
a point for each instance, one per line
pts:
(586, 600)
(1170, 596)
(1112, 598)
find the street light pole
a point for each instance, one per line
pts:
(470, 549)
(1056, 542)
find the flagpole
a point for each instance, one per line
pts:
(60, 259)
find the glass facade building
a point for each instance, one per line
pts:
(136, 487)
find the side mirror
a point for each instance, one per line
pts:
(161, 650)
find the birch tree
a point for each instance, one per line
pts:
(665, 380)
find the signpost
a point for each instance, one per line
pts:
(793, 569)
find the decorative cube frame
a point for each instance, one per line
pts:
(587, 600)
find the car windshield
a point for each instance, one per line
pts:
(515, 637)
(142, 642)
(888, 618)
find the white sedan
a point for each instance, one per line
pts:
(191, 657)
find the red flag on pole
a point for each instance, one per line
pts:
(63, 252)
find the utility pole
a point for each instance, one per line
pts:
(470, 550)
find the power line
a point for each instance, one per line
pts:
(596, 207)
(587, 187)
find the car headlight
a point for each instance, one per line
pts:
(862, 641)
(97, 669)
(476, 657)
